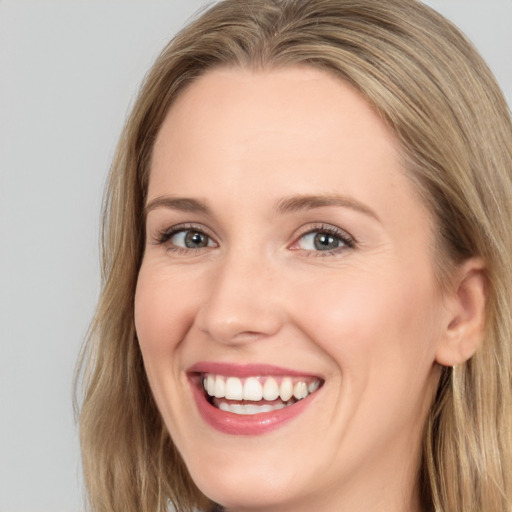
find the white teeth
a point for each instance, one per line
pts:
(244, 409)
(234, 389)
(210, 385)
(220, 387)
(253, 390)
(286, 391)
(270, 389)
(313, 386)
(300, 390)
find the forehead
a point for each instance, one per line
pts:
(297, 130)
(311, 99)
(297, 113)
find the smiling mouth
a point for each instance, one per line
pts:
(258, 394)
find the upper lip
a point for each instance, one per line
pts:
(246, 370)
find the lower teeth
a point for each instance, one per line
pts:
(246, 409)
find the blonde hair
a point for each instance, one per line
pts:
(438, 96)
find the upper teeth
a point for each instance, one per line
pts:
(258, 388)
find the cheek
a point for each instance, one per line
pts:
(371, 321)
(379, 334)
(164, 311)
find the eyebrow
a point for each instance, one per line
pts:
(284, 205)
(309, 202)
(183, 204)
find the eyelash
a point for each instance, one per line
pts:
(165, 235)
(347, 241)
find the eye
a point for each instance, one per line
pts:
(327, 239)
(190, 239)
(184, 238)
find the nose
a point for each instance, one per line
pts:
(243, 303)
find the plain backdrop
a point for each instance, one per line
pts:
(69, 70)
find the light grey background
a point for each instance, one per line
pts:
(69, 70)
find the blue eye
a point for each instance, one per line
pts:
(319, 242)
(324, 240)
(185, 238)
(190, 239)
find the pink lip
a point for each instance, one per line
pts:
(244, 370)
(235, 424)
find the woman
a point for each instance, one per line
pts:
(306, 270)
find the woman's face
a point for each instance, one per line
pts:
(287, 254)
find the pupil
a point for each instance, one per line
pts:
(193, 240)
(324, 241)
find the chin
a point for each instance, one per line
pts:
(257, 489)
(268, 473)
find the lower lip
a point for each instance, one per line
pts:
(246, 425)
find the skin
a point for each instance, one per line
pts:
(368, 319)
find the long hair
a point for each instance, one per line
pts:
(437, 95)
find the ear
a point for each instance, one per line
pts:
(465, 321)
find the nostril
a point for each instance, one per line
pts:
(240, 306)
(243, 324)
